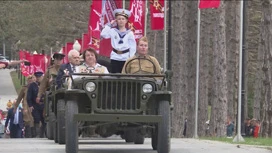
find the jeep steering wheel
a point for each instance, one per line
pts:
(140, 66)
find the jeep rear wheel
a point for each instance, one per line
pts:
(61, 121)
(154, 138)
(163, 145)
(55, 132)
(71, 127)
(139, 139)
(129, 136)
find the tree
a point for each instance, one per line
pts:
(219, 97)
(267, 67)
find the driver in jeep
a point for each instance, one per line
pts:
(141, 62)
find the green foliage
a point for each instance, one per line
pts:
(43, 24)
(248, 141)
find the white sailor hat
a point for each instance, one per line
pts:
(122, 12)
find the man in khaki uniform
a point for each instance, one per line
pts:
(27, 116)
(48, 79)
(141, 63)
(50, 74)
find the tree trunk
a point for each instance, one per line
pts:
(219, 103)
(184, 32)
(267, 68)
(232, 48)
(204, 66)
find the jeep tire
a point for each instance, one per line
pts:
(61, 121)
(71, 127)
(163, 145)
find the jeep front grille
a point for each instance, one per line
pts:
(119, 96)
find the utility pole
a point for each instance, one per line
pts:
(4, 47)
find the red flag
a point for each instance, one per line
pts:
(38, 63)
(137, 19)
(157, 14)
(64, 52)
(85, 41)
(68, 47)
(80, 42)
(203, 4)
(107, 16)
(29, 69)
(24, 69)
(95, 24)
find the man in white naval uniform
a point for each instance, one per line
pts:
(122, 40)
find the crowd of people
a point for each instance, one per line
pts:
(25, 117)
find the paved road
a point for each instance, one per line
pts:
(7, 90)
(119, 146)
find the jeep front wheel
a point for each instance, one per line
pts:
(71, 127)
(163, 145)
(61, 121)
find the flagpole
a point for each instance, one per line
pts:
(165, 33)
(146, 11)
(197, 71)
(238, 137)
(124, 4)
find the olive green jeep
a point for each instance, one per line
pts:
(133, 106)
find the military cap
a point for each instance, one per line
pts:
(58, 56)
(38, 74)
(122, 12)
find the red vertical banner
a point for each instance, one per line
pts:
(29, 69)
(24, 69)
(66, 56)
(108, 6)
(38, 63)
(157, 14)
(80, 42)
(137, 19)
(85, 41)
(204, 4)
(95, 24)
(68, 47)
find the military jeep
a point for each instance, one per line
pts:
(133, 106)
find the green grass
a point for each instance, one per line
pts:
(248, 141)
(16, 81)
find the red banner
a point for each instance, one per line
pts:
(85, 41)
(203, 4)
(94, 24)
(64, 52)
(80, 42)
(137, 19)
(39, 63)
(29, 69)
(157, 14)
(24, 69)
(108, 6)
(68, 47)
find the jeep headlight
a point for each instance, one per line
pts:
(147, 88)
(90, 86)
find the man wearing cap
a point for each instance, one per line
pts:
(50, 74)
(68, 68)
(36, 108)
(122, 40)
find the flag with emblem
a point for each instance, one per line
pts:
(157, 14)
(136, 21)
